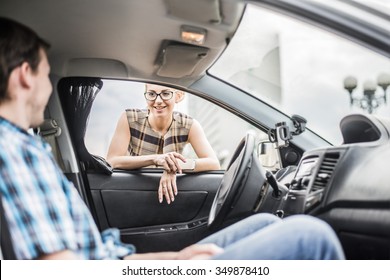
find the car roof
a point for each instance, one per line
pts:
(141, 40)
(127, 39)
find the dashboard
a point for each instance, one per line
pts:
(349, 187)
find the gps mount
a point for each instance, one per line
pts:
(281, 134)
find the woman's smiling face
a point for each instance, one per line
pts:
(165, 99)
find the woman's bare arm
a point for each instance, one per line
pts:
(117, 152)
(207, 159)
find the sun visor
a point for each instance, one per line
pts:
(178, 60)
(96, 67)
(204, 11)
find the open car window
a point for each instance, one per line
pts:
(223, 129)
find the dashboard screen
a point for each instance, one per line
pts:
(306, 167)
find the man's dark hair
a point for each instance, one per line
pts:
(18, 44)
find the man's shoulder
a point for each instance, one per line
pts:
(14, 142)
(10, 135)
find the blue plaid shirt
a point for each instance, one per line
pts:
(43, 209)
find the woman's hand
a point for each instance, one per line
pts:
(169, 161)
(167, 187)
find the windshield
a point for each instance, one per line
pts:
(301, 69)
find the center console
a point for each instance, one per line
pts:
(308, 186)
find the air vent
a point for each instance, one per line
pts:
(325, 172)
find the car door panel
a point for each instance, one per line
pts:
(128, 209)
(128, 200)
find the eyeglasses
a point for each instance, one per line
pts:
(164, 95)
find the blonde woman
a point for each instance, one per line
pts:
(156, 136)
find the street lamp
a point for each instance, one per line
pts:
(370, 99)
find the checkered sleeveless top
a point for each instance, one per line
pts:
(145, 141)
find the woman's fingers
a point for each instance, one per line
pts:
(170, 161)
(170, 192)
(167, 187)
(175, 157)
(163, 192)
(166, 194)
(180, 156)
(160, 193)
(174, 187)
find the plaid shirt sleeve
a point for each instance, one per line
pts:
(44, 211)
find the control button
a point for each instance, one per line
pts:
(296, 184)
(323, 176)
(305, 181)
(182, 227)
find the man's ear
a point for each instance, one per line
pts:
(26, 75)
(179, 96)
(20, 79)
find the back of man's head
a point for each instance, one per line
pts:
(18, 44)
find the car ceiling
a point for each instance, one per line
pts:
(122, 38)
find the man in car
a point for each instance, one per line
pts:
(48, 219)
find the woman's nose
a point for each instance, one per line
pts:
(158, 99)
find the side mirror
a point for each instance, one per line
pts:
(269, 156)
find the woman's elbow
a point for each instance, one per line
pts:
(112, 161)
(215, 165)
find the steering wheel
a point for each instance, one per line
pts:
(231, 191)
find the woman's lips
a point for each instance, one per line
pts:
(159, 108)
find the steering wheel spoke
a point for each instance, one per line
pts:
(229, 195)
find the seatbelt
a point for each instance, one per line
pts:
(6, 243)
(49, 130)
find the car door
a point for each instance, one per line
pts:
(127, 199)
